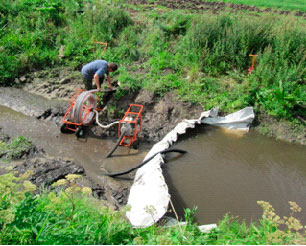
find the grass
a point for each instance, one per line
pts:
(204, 58)
(296, 5)
(69, 215)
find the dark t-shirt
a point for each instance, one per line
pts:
(98, 66)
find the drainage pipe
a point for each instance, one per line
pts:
(146, 161)
(117, 144)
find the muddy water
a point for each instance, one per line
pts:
(89, 152)
(221, 173)
(227, 173)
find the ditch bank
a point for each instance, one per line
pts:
(160, 115)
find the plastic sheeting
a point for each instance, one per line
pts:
(149, 196)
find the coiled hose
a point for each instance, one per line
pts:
(146, 161)
(81, 101)
(86, 98)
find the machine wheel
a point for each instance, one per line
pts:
(64, 128)
(79, 132)
(135, 145)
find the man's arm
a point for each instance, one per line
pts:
(97, 81)
(109, 83)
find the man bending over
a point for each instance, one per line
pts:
(96, 70)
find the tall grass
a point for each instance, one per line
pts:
(32, 32)
(204, 58)
(222, 45)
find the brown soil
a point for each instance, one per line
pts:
(214, 7)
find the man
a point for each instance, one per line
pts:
(96, 70)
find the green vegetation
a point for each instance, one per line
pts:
(17, 148)
(203, 57)
(297, 5)
(72, 216)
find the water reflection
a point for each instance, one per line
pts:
(227, 173)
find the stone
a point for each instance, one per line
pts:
(22, 79)
(47, 171)
(64, 81)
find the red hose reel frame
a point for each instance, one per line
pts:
(136, 122)
(70, 125)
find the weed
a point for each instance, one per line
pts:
(16, 149)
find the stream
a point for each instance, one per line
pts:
(88, 152)
(228, 172)
(223, 172)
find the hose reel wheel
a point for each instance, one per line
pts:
(83, 109)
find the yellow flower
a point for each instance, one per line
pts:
(9, 168)
(28, 186)
(294, 224)
(72, 177)
(294, 207)
(60, 182)
(27, 174)
(86, 191)
(7, 215)
(138, 240)
(72, 189)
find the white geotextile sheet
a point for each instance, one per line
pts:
(149, 196)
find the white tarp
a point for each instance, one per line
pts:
(149, 196)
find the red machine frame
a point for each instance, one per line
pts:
(70, 125)
(137, 122)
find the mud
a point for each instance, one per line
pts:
(47, 169)
(214, 7)
(159, 116)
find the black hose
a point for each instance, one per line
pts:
(117, 144)
(144, 162)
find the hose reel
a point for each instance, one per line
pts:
(82, 109)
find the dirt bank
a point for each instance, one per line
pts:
(213, 7)
(160, 115)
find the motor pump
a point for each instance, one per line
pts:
(129, 127)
